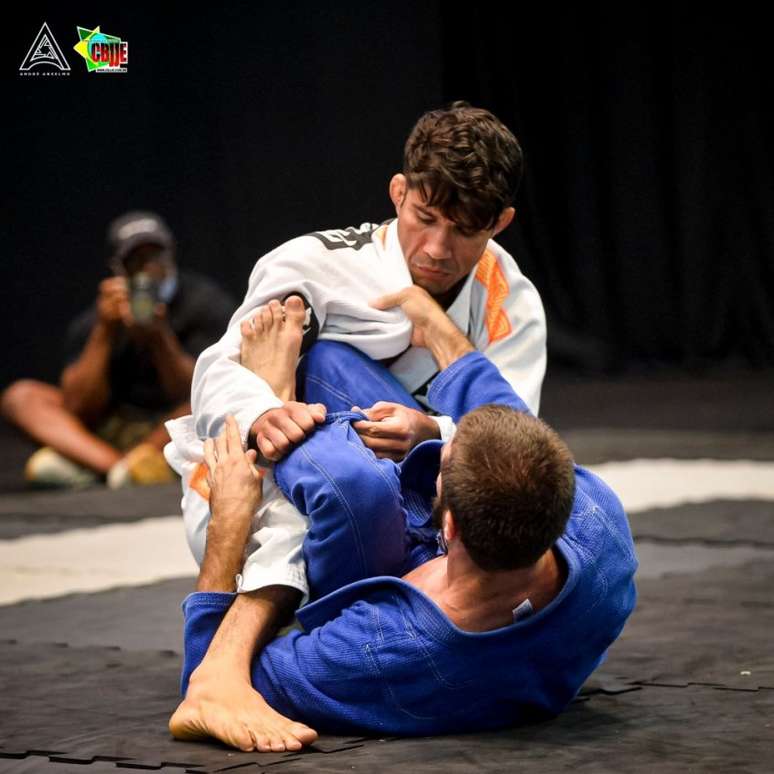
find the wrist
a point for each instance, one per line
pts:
(429, 428)
(450, 346)
(105, 330)
(162, 339)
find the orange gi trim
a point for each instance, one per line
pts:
(490, 275)
(381, 232)
(199, 483)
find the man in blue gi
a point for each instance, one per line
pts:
(502, 624)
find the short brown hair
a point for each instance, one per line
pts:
(509, 483)
(465, 162)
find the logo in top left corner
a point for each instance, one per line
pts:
(44, 57)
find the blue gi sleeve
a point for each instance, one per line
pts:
(468, 383)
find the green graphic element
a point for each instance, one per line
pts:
(87, 39)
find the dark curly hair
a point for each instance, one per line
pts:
(509, 483)
(465, 162)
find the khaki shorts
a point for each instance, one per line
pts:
(127, 426)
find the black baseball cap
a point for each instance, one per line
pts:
(133, 229)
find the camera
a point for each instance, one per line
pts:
(143, 297)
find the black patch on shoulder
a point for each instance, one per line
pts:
(353, 237)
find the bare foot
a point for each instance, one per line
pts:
(232, 711)
(271, 343)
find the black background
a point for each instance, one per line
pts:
(644, 217)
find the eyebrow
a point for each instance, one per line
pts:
(423, 210)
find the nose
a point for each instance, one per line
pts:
(439, 245)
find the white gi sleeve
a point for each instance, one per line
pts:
(446, 427)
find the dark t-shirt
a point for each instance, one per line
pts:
(198, 313)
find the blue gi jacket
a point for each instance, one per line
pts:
(377, 655)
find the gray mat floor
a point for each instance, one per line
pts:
(88, 680)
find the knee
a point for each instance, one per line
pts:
(335, 458)
(364, 480)
(378, 477)
(20, 397)
(332, 359)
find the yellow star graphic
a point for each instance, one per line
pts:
(82, 47)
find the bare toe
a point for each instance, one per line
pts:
(276, 311)
(294, 309)
(242, 739)
(246, 329)
(267, 318)
(303, 733)
(262, 743)
(291, 743)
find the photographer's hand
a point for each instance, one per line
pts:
(113, 303)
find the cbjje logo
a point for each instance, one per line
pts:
(44, 54)
(103, 53)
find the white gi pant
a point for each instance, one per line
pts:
(273, 553)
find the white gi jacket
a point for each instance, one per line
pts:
(339, 272)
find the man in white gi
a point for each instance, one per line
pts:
(461, 170)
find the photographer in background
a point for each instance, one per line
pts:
(129, 363)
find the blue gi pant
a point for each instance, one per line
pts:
(357, 522)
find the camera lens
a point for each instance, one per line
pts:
(144, 295)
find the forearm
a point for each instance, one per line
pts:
(447, 343)
(85, 384)
(173, 364)
(225, 546)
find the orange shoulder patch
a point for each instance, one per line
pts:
(491, 276)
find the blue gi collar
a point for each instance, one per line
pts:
(420, 467)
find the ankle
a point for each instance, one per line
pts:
(211, 675)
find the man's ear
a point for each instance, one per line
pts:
(506, 216)
(398, 188)
(449, 527)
